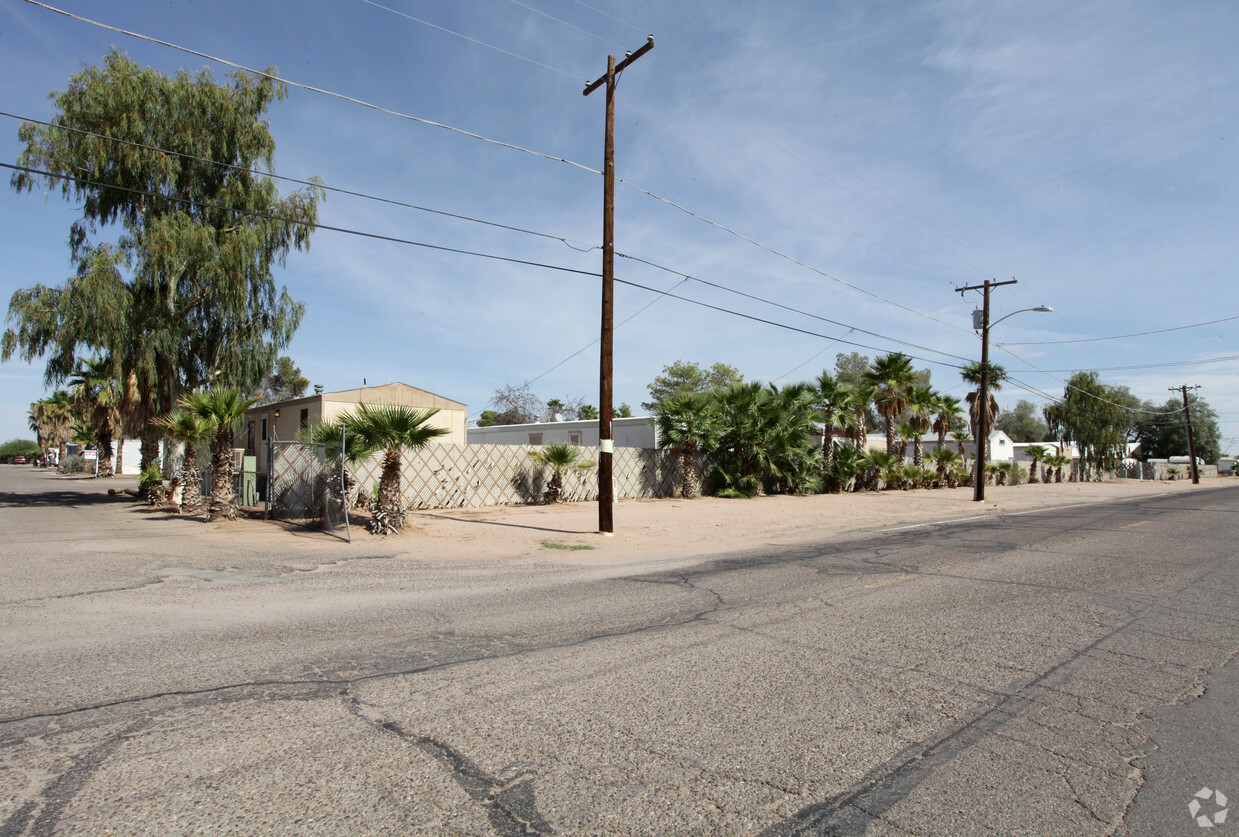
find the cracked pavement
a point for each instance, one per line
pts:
(1030, 674)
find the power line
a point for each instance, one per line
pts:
(1165, 365)
(783, 255)
(774, 323)
(848, 326)
(807, 142)
(1122, 336)
(313, 89)
(312, 224)
(488, 140)
(300, 182)
(472, 40)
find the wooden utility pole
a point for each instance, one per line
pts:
(1191, 442)
(982, 405)
(606, 366)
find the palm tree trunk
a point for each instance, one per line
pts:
(106, 450)
(223, 501)
(389, 487)
(690, 485)
(191, 482)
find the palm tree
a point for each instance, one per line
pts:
(1057, 461)
(1036, 453)
(96, 391)
(922, 402)
(391, 429)
(223, 408)
(58, 412)
(858, 404)
(687, 422)
(848, 464)
(343, 450)
(946, 409)
(190, 429)
(891, 377)
(883, 466)
(971, 373)
(37, 419)
(833, 403)
(560, 458)
(945, 462)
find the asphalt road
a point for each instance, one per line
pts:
(1066, 672)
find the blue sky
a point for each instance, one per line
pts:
(856, 161)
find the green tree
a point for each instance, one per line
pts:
(684, 377)
(833, 400)
(190, 430)
(588, 411)
(182, 295)
(1037, 453)
(560, 458)
(850, 369)
(922, 404)
(1162, 430)
(688, 423)
(1096, 418)
(391, 429)
(222, 408)
(281, 383)
(97, 392)
(1023, 424)
(891, 377)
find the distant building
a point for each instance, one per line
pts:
(284, 420)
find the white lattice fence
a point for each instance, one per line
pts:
(455, 476)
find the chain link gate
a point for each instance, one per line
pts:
(305, 485)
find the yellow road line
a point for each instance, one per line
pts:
(1130, 525)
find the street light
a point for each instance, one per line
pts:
(983, 323)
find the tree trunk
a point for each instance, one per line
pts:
(191, 482)
(150, 447)
(389, 488)
(106, 451)
(690, 485)
(223, 501)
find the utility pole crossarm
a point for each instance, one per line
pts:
(619, 68)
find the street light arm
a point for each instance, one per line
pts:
(1042, 309)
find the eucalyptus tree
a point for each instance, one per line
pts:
(891, 377)
(1095, 417)
(688, 423)
(182, 295)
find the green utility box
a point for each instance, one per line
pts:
(249, 481)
